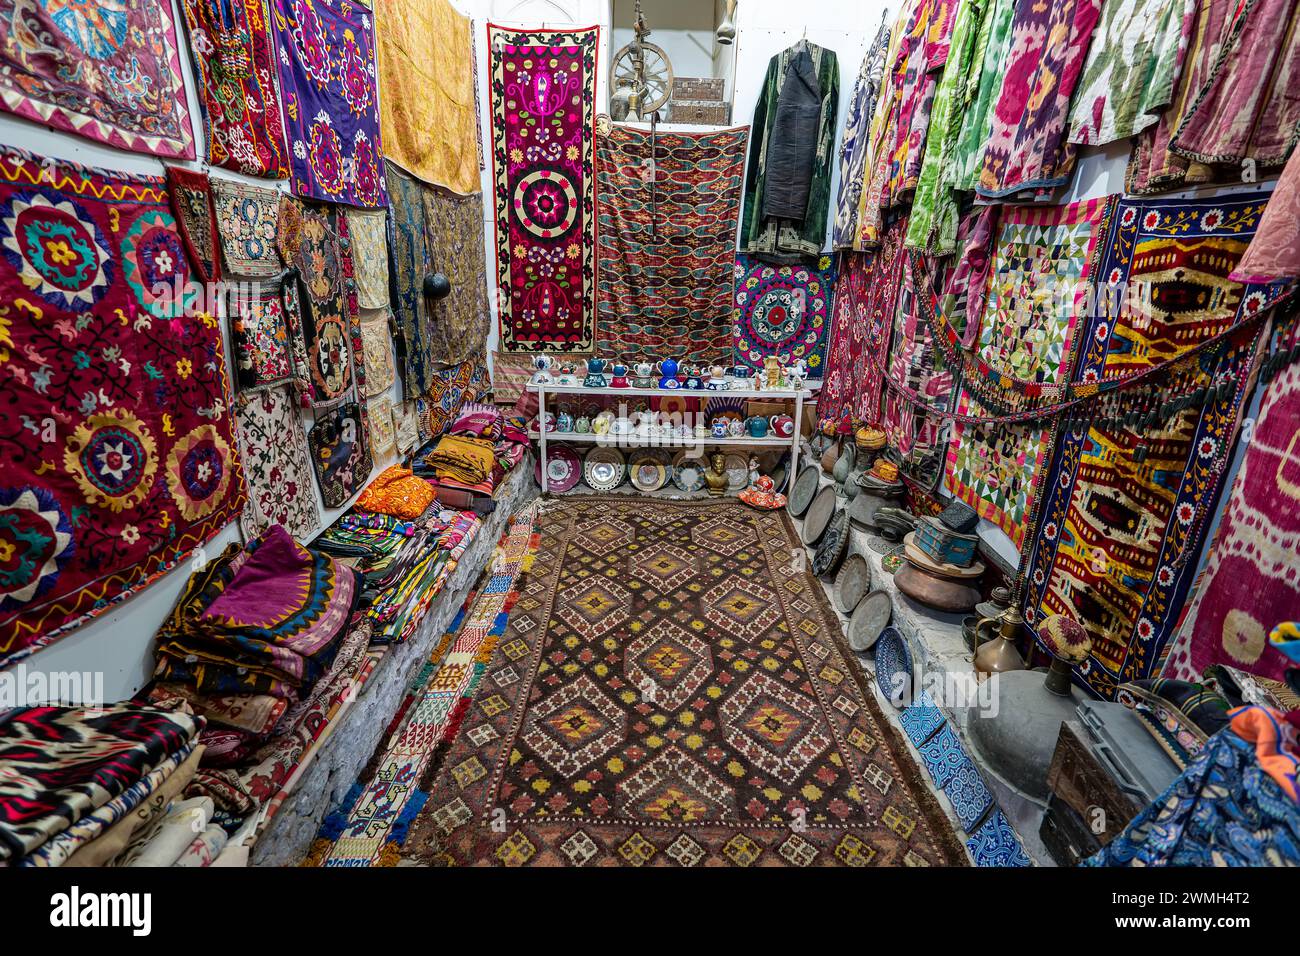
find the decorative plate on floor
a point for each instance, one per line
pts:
(969, 795)
(852, 583)
(604, 469)
(688, 471)
(996, 844)
(805, 489)
(649, 470)
(869, 619)
(833, 545)
(819, 515)
(563, 468)
(737, 468)
(921, 718)
(894, 667)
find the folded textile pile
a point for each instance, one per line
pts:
(463, 459)
(262, 619)
(397, 492)
(419, 576)
(75, 776)
(478, 423)
(366, 542)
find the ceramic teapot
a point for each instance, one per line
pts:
(542, 370)
(601, 423)
(668, 374)
(564, 421)
(566, 377)
(757, 426)
(620, 376)
(717, 378)
(644, 372)
(582, 425)
(595, 373)
(720, 428)
(782, 425)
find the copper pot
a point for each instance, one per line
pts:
(830, 456)
(942, 594)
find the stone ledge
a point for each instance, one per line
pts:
(339, 759)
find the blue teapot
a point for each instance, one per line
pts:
(668, 373)
(595, 373)
(757, 426)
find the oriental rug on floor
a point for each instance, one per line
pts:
(673, 689)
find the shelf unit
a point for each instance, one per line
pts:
(797, 396)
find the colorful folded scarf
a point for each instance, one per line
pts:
(1277, 744)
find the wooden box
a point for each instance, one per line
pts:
(699, 113)
(699, 88)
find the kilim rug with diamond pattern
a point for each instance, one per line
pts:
(673, 689)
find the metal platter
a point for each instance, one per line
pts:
(604, 469)
(805, 489)
(819, 515)
(852, 583)
(688, 471)
(870, 617)
(833, 545)
(649, 470)
(737, 468)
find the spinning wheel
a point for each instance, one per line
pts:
(656, 71)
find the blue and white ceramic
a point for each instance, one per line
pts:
(995, 844)
(921, 718)
(969, 795)
(944, 756)
(894, 667)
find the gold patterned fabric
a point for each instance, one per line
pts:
(426, 91)
(369, 234)
(458, 324)
(377, 347)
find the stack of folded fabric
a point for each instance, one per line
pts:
(263, 619)
(399, 493)
(462, 459)
(480, 425)
(79, 783)
(419, 575)
(366, 542)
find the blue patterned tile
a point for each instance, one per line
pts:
(996, 844)
(921, 718)
(944, 756)
(970, 796)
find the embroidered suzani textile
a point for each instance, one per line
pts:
(247, 217)
(666, 243)
(327, 78)
(782, 310)
(115, 405)
(1038, 287)
(109, 71)
(1119, 530)
(234, 63)
(277, 465)
(428, 107)
(543, 90)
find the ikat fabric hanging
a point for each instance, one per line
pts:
(121, 457)
(234, 64)
(666, 247)
(109, 71)
(543, 91)
(327, 77)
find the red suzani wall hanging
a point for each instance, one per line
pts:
(543, 90)
(114, 404)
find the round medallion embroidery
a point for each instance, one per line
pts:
(56, 248)
(546, 203)
(35, 543)
(198, 472)
(155, 264)
(113, 459)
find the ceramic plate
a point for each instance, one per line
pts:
(737, 472)
(870, 617)
(805, 489)
(562, 468)
(852, 583)
(688, 471)
(649, 470)
(604, 469)
(833, 545)
(894, 667)
(819, 516)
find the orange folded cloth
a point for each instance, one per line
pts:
(398, 492)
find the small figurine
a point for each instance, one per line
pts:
(715, 476)
(773, 374)
(753, 470)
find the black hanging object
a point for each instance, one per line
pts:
(437, 286)
(1140, 453)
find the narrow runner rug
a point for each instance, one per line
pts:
(543, 92)
(672, 689)
(371, 825)
(668, 206)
